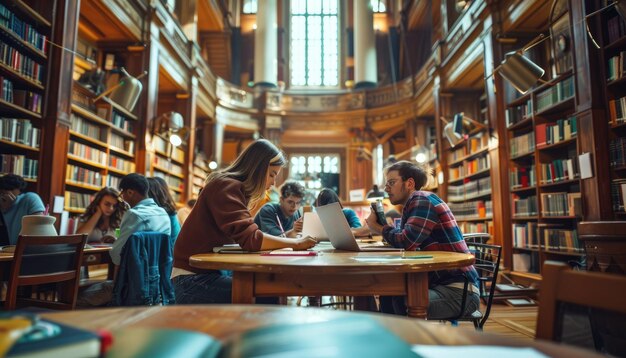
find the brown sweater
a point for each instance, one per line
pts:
(219, 217)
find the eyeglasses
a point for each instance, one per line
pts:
(392, 182)
(293, 203)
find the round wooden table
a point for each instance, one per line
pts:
(335, 273)
(225, 322)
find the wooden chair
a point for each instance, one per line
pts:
(605, 245)
(40, 260)
(601, 296)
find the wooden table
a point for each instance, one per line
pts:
(225, 322)
(339, 273)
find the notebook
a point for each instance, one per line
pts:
(312, 226)
(338, 230)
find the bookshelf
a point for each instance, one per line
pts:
(101, 147)
(23, 61)
(168, 163)
(613, 50)
(200, 172)
(469, 179)
(544, 180)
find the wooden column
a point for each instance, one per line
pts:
(56, 118)
(186, 105)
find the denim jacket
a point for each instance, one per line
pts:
(145, 270)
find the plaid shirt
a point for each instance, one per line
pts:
(428, 225)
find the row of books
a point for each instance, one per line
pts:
(522, 144)
(121, 164)
(20, 165)
(616, 28)
(87, 152)
(561, 204)
(469, 167)
(121, 122)
(83, 175)
(476, 227)
(26, 99)
(558, 239)
(120, 142)
(525, 235)
(472, 209)
(616, 68)
(113, 181)
(171, 181)
(555, 94)
(514, 115)
(473, 144)
(524, 206)
(82, 100)
(522, 177)
(617, 111)
(22, 29)
(168, 165)
(618, 194)
(86, 127)
(21, 63)
(562, 129)
(470, 189)
(20, 131)
(559, 170)
(77, 201)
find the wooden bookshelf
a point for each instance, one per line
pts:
(168, 163)
(23, 68)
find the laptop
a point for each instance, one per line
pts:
(312, 227)
(338, 230)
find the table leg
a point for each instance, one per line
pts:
(243, 287)
(417, 294)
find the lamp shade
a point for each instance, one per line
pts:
(127, 92)
(521, 72)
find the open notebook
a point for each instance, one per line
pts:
(338, 230)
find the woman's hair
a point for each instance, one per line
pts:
(120, 209)
(251, 167)
(161, 194)
(327, 196)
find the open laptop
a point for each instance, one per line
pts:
(338, 230)
(312, 227)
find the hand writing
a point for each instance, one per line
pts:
(304, 243)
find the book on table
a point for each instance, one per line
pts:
(44, 338)
(343, 337)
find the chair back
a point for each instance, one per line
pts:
(42, 260)
(605, 245)
(601, 296)
(145, 268)
(487, 264)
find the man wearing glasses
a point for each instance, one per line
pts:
(283, 218)
(428, 225)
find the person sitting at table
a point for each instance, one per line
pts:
(328, 196)
(221, 216)
(144, 215)
(185, 210)
(14, 204)
(102, 216)
(160, 192)
(427, 225)
(283, 218)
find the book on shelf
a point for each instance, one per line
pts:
(342, 337)
(20, 165)
(20, 131)
(524, 206)
(561, 204)
(45, 338)
(617, 111)
(616, 68)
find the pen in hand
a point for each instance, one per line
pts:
(280, 225)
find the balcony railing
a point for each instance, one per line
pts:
(314, 102)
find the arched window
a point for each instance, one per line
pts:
(310, 170)
(378, 5)
(249, 6)
(314, 43)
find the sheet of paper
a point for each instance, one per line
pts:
(476, 351)
(584, 162)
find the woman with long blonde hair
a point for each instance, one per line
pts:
(222, 216)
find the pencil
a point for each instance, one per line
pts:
(280, 225)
